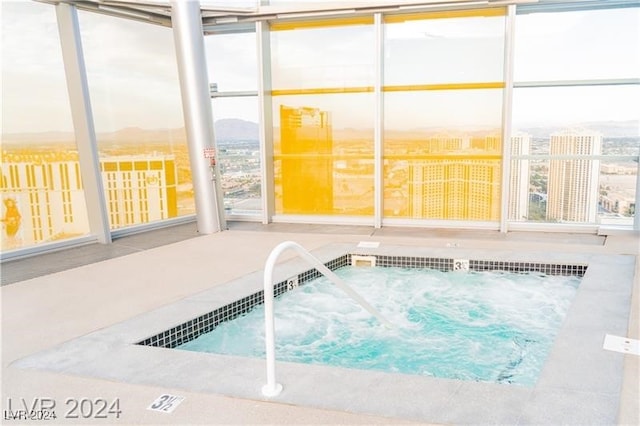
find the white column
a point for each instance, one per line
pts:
(507, 104)
(378, 147)
(265, 108)
(196, 104)
(82, 117)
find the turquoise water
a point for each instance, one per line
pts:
(480, 326)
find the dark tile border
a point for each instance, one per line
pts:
(190, 330)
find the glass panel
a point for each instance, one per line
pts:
(439, 164)
(238, 146)
(539, 178)
(40, 184)
(525, 175)
(232, 64)
(136, 101)
(444, 47)
(572, 189)
(567, 200)
(323, 111)
(596, 44)
(573, 127)
(322, 165)
(443, 115)
(537, 108)
(617, 196)
(323, 57)
(232, 61)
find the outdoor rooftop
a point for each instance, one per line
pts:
(52, 299)
(155, 152)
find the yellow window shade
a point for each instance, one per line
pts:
(444, 86)
(444, 14)
(321, 23)
(321, 91)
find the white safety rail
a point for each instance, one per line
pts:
(272, 388)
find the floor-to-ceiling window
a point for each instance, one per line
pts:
(233, 75)
(137, 109)
(443, 90)
(575, 115)
(40, 184)
(575, 138)
(323, 116)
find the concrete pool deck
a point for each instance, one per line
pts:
(97, 303)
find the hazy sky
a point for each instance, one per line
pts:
(133, 75)
(131, 69)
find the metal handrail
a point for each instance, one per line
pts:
(272, 388)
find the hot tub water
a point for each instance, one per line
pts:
(481, 326)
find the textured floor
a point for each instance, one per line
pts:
(56, 301)
(22, 269)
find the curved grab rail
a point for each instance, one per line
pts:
(272, 388)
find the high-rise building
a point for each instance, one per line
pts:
(454, 189)
(449, 188)
(307, 163)
(46, 192)
(139, 189)
(519, 178)
(573, 182)
(446, 143)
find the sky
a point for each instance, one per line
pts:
(131, 68)
(133, 75)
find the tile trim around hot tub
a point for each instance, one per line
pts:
(205, 323)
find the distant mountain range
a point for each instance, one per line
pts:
(229, 129)
(235, 129)
(611, 129)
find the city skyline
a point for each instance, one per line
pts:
(440, 180)
(572, 194)
(47, 194)
(611, 128)
(441, 111)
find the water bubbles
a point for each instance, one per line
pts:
(482, 326)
